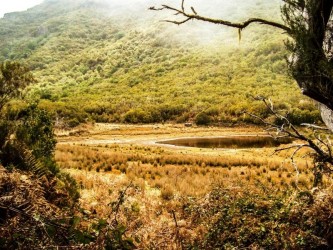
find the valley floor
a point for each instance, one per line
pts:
(154, 189)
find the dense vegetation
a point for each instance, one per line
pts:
(93, 65)
(38, 202)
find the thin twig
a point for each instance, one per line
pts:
(290, 147)
(314, 126)
(121, 198)
(178, 240)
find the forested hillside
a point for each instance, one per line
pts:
(115, 62)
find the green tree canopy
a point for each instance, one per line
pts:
(13, 79)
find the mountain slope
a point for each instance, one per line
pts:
(117, 63)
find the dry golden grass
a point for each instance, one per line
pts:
(162, 177)
(191, 174)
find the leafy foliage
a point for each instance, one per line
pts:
(202, 119)
(28, 140)
(36, 130)
(13, 79)
(262, 218)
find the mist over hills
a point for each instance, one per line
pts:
(114, 61)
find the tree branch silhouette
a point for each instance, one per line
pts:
(195, 16)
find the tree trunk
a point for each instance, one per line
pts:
(313, 64)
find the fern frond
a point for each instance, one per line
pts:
(17, 153)
(32, 164)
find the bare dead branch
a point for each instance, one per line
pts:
(178, 239)
(327, 145)
(153, 8)
(294, 133)
(290, 147)
(321, 149)
(295, 165)
(120, 201)
(194, 12)
(195, 16)
(314, 126)
(174, 218)
(177, 22)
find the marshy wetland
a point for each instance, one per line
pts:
(106, 158)
(144, 153)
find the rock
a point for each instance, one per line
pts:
(327, 115)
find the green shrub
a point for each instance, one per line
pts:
(137, 116)
(264, 219)
(73, 122)
(202, 119)
(298, 116)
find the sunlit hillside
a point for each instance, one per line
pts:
(117, 62)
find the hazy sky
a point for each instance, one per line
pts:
(16, 5)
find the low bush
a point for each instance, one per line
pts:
(265, 219)
(202, 119)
